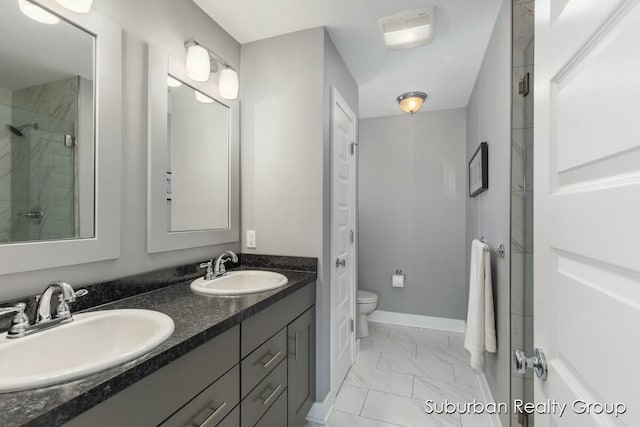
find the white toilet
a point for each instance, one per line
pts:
(367, 302)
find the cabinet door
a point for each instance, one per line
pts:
(301, 366)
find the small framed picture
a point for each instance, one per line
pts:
(479, 170)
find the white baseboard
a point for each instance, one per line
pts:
(321, 411)
(414, 320)
(488, 397)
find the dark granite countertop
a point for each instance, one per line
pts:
(197, 319)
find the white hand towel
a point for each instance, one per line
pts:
(480, 335)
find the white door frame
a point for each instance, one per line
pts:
(337, 101)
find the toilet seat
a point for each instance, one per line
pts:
(366, 297)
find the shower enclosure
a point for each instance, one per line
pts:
(522, 201)
(38, 164)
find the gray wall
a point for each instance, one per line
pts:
(285, 155)
(488, 214)
(412, 211)
(166, 24)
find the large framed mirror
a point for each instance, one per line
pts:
(193, 148)
(60, 99)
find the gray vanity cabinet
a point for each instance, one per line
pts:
(260, 373)
(301, 366)
(282, 335)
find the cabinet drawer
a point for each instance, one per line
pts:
(154, 398)
(263, 360)
(259, 327)
(209, 407)
(233, 419)
(261, 398)
(276, 416)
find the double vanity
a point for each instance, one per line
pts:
(177, 354)
(180, 346)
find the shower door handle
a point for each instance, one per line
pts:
(31, 214)
(521, 363)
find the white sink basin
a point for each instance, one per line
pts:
(90, 343)
(239, 282)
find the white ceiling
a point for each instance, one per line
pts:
(32, 53)
(445, 69)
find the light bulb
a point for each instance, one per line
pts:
(37, 13)
(78, 6)
(198, 63)
(228, 84)
(171, 82)
(203, 98)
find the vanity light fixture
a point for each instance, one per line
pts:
(228, 83)
(412, 102)
(198, 63)
(78, 6)
(203, 98)
(37, 13)
(171, 82)
(202, 61)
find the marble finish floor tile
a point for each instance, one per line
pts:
(368, 358)
(404, 411)
(455, 355)
(378, 330)
(419, 336)
(476, 420)
(414, 366)
(386, 345)
(343, 419)
(398, 369)
(350, 399)
(465, 375)
(438, 391)
(374, 379)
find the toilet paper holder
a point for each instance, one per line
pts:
(398, 278)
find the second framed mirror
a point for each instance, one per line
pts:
(193, 160)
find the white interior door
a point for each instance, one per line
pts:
(587, 206)
(342, 241)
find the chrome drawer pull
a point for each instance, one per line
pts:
(213, 415)
(270, 361)
(272, 395)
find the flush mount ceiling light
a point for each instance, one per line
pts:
(407, 29)
(201, 62)
(37, 13)
(78, 6)
(411, 102)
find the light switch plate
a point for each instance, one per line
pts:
(251, 239)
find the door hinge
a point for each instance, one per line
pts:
(352, 237)
(353, 148)
(523, 85)
(523, 419)
(353, 324)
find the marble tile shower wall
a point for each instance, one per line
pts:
(43, 169)
(522, 196)
(5, 173)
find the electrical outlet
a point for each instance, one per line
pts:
(251, 239)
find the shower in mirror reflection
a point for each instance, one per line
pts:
(46, 180)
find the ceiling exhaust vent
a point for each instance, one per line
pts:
(408, 29)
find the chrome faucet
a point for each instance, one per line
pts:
(218, 269)
(20, 326)
(67, 295)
